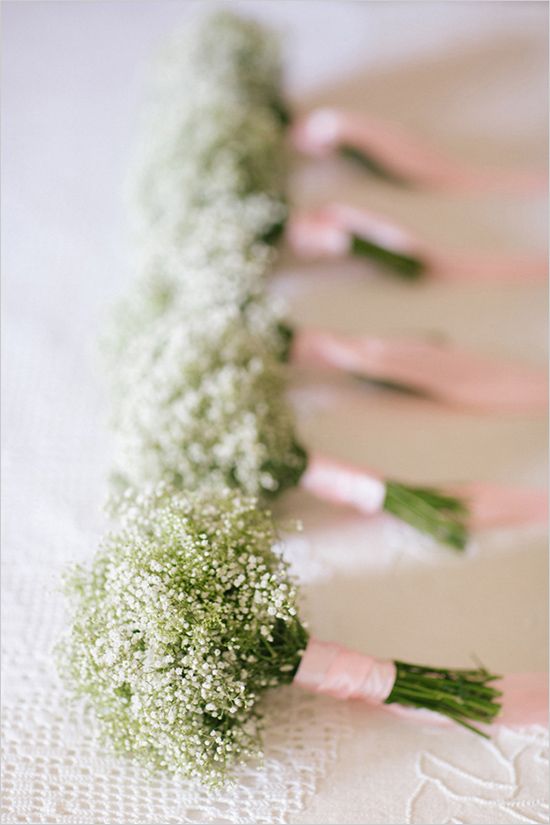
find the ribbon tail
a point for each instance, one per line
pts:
(524, 699)
(494, 505)
(475, 267)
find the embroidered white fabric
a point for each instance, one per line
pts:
(71, 85)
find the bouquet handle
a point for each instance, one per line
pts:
(480, 505)
(337, 230)
(424, 693)
(444, 373)
(388, 151)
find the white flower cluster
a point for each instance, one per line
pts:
(208, 187)
(201, 407)
(197, 349)
(186, 616)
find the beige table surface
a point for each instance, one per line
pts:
(471, 77)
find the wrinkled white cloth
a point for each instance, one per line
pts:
(468, 75)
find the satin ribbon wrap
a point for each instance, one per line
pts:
(336, 671)
(344, 484)
(327, 233)
(324, 130)
(453, 376)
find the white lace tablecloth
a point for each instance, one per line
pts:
(470, 76)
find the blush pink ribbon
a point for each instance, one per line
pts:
(524, 699)
(342, 483)
(497, 505)
(327, 233)
(489, 505)
(322, 131)
(455, 377)
(334, 670)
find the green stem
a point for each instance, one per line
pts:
(441, 516)
(406, 266)
(463, 695)
(374, 167)
(286, 338)
(392, 386)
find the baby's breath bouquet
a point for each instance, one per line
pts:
(185, 617)
(229, 58)
(199, 406)
(188, 615)
(208, 184)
